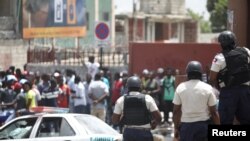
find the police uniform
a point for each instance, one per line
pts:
(195, 97)
(234, 100)
(140, 131)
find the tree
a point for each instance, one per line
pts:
(218, 14)
(205, 26)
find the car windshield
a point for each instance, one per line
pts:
(95, 125)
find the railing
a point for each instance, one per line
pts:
(107, 57)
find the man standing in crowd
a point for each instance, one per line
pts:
(194, 105)
(230, 74)
(137, 110)
(93, 67)
(98, 91)
(79, 97)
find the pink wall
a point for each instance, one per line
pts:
(154, 55)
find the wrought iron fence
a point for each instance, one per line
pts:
(106, 57)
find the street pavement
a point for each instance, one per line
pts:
(164, 132)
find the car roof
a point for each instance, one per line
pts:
(52, 115)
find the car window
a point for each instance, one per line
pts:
(19, 129)
(54, 127)
(90, 123)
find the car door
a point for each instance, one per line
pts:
(57, 129)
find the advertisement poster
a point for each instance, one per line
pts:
(54, 18)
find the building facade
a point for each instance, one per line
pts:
(158, 21)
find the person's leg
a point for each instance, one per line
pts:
(196, 131)
(137, 135)
(228, 104)
(242, 114)
(102, 114)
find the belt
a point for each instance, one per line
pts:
(139, 128)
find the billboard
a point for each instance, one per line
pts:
(54, 18)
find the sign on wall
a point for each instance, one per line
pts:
(54, 18)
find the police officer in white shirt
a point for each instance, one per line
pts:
(136, 111)
(194, 105)
(230, 74)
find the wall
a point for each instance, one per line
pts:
(13, 52)
(240, 9)
(154, 55)
(4, 7)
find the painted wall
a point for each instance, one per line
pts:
(154, 55)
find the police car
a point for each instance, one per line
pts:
(58, 127)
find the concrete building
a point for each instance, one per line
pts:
(239, 20)
(157, 21)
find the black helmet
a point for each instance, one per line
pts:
(227, 40)
(194, 66)
(134, 82)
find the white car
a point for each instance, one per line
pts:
(58, 127)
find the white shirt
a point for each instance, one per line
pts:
(98, 89)
(80, 93)
(195, 97)
(93, 68)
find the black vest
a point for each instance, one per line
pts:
(135, 110)
(237, 67)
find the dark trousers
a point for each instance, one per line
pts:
(137, 135)
(194, 131)
(234, 103)
(168, 108)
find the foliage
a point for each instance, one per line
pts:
(218, 14)
(205, 26)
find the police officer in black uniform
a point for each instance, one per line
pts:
(230, 74)
(138, 113)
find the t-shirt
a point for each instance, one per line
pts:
(31, 95)
(168, 86)
(195, 97)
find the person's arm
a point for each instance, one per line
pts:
(157, 90)
(116, 118)
(156, 118)
(8, 104)
(177, 119)
(213, 79)
(214, 115)
(100, 99)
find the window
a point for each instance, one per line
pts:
(54, 127)
(106, 16)
(19, 129)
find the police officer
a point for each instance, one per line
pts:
(136, 111)
(194, 106)
(230, 74)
